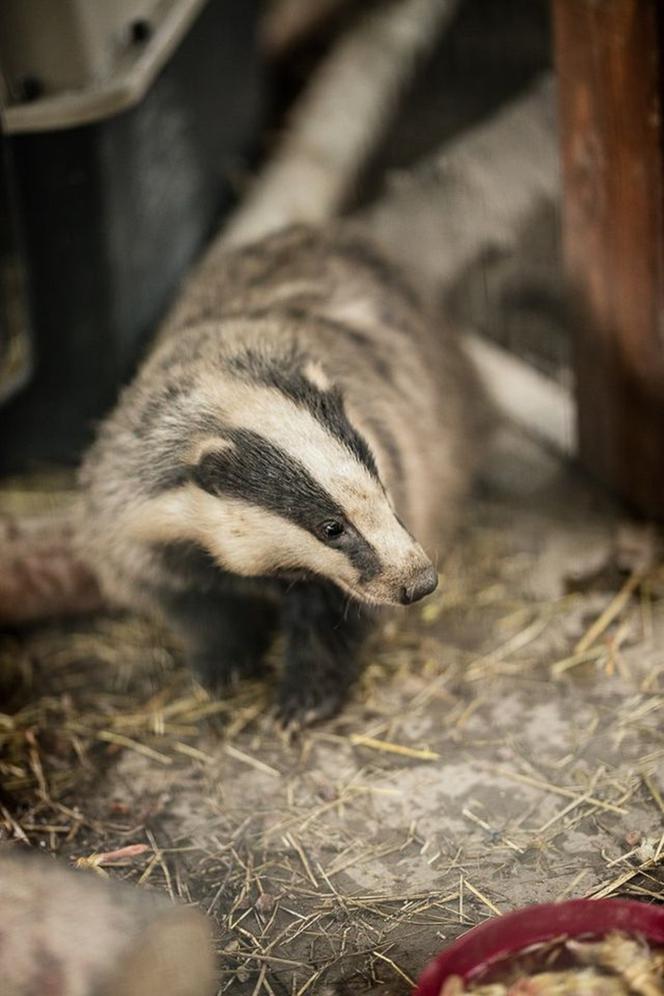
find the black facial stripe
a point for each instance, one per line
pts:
(256, 471)
(362, 556)
(159, 420)
(389, 446)
(285, 374)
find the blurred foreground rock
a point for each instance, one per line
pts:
(68, 933)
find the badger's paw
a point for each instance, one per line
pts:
(304, 705)
(218, 674)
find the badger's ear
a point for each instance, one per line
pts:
(315, 373)
(207, 459)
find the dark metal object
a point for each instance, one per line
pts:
(113, 214)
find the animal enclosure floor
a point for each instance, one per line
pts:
(505, 747)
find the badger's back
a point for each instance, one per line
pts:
(294, 315)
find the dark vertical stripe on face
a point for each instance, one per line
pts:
(285, 374)
(388, 444)
(256, 471)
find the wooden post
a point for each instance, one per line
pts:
(610, 58)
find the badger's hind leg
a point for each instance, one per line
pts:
(324, 634)
(225, 637)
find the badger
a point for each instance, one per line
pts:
(292, 453)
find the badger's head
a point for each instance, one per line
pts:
(287, 484)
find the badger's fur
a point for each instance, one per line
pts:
(299, 429)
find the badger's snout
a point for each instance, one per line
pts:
(402, 573)
(424, 582)
(401, 583)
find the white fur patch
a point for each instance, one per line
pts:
(272, 415)
(251, 541)
(242, 538)
(208, 444)
(314, 373)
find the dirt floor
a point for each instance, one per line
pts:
(505, 747)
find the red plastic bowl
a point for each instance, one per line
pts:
(507, 935)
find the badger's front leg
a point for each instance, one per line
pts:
(225, 637)
(324, 633)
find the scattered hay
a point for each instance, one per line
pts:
(355, 851)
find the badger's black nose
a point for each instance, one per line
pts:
(423, 584)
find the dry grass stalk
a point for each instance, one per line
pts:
(281, 869)
(612, 610)
(360, 740)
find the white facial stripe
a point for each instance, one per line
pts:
(243, 538)
(272, 415)
(269, 413)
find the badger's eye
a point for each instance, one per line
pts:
(331, 529)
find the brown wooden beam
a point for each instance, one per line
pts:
(609, 61)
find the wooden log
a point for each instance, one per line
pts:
(40, 574)
(69, 933)
(610, 62)
(287, 23)
(338, 120)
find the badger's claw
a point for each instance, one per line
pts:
(301, 706)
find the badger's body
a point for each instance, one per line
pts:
(300, 419)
